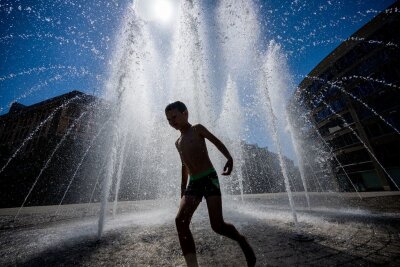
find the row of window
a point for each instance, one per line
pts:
(354, 157)
(344, 141)
(371, 65)
(377, 129)
(336, 106)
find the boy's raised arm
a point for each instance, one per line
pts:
(218, 144)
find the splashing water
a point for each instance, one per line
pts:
(145, 77)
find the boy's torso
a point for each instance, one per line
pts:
(193, 151)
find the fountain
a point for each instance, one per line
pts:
(230, 124)
(235, 79)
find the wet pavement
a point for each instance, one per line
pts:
(345, 231)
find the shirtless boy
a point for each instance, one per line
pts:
(203, 181)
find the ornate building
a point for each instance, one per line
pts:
(46, 139)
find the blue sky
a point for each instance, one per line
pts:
(310, 30)
(72, 40)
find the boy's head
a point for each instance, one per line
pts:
(177, 114)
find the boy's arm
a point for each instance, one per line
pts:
(218, 144)
(184, 172)
(184, 179)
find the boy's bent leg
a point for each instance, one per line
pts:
(214, 205)
(187, 207)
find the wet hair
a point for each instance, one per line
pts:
(176, 105)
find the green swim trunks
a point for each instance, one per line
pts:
(204, 184)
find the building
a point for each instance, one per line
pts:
(46, 145)
(352, 99)
(57, 114)
(45, 140)
(262, 173)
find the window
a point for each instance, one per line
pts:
(338, 105)
(323, 114)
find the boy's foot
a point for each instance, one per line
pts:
(248, 252)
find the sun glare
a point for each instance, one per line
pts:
(155, 10)
(163, 10)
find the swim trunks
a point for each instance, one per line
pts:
(204, 184)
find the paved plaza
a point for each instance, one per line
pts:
(346, 231)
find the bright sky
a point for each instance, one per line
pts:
(48, 48)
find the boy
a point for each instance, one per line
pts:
(203, 181)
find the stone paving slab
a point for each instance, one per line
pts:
(143, 234)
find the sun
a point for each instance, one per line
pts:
(163, 10)
(155, 10)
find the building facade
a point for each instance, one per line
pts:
(262, 172)
(352, 103)
(44, 145)
(44, 142)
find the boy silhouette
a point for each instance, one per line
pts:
(203, 181)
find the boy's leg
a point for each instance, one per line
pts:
(187, 207)
(214, 205)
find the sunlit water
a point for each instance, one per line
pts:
(215, 62)
(145, 78)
